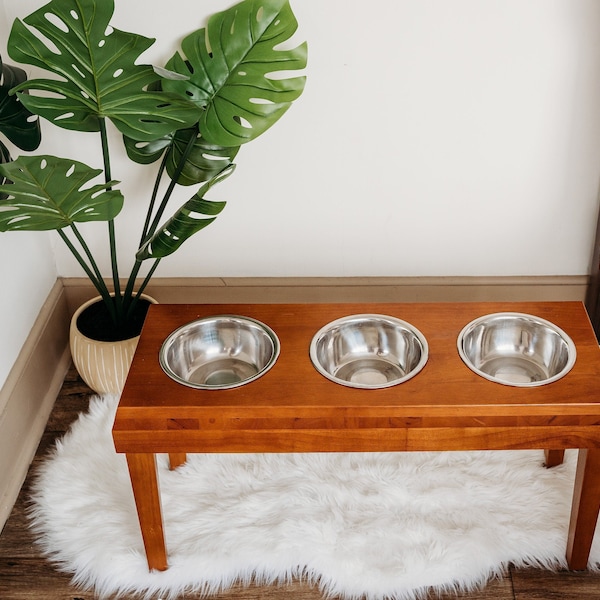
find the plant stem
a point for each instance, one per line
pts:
(148, 231)
(148, 277)
(118, 300)
(132, 277)
(90, 257)
(142, 287)
(159, 176)
(93, 273)
(161, 209)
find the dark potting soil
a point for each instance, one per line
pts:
(95, 322)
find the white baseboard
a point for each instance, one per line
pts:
(36, 378)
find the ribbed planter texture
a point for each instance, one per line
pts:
(102, 365)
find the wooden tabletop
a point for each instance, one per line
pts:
(294, 408)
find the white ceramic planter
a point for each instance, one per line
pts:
(102, 365)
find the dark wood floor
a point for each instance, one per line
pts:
(26, 575)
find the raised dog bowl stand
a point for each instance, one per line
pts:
(294, 408)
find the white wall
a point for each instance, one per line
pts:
(27, 273)
(434, 137)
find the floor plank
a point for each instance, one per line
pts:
(535, 584)
(26, 575)
(496, 589)
(32, 579)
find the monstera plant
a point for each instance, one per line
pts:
(16, 123)
(190, 116)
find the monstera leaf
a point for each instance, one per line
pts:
(200, 164)
(189, 166)
(48, 193)
(4, 158)
(96, 72)
(185, 222)
(16, 122)
(232, 68)
(203, 162)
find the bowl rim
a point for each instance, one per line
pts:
(364, 316)
(572, 349)
(167, 343)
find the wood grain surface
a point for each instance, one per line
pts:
(445, 406)
(26, 575)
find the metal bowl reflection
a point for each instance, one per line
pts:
(368, 351)
(516, 349)
(219, 352)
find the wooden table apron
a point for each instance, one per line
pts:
(292, 408)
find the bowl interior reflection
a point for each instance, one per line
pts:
(516, 349)
(219, 352)
(368, 351)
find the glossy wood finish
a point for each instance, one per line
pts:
(176, 459)
(144, 482)
(586, 504)
(592, 297)
(292, 408)
(27, 575)
(553, 458)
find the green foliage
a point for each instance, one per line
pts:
(185, 222)
(229, 84)
(16, 123)
(50, 193)
(95, 72)
(232, 68)
(203, 160)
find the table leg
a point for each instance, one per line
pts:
(144, 481)
(554, 458)
(585, 508)
(176, 459)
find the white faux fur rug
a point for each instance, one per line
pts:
(376, 526)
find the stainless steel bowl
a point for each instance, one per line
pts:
(219, 352)
(516, 349)
(368, 351)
